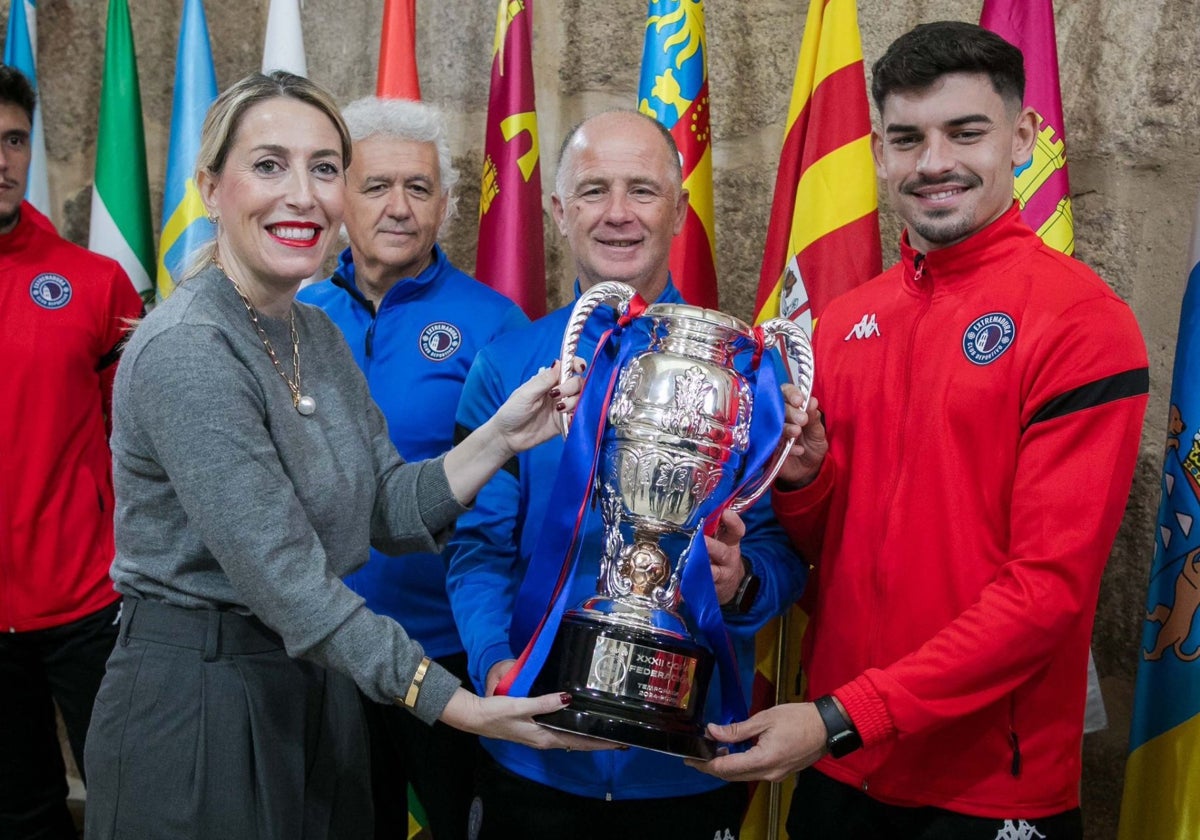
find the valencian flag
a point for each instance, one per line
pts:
(674, 90)
(283, 45)
(20, 51)
(510, 255)
(823, 237)
(185, 225)
(120, 225)
(1162, 774)
(398, 77)
(1041, 185)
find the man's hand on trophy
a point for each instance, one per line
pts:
(802, 463)
(789, 738)
(725, 555)
(495, 674)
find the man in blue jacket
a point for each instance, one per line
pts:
(414, 323)
(619, 201)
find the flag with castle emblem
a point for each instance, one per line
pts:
(20, 51)
(1041, 186)
(1162, 773)
(510, 255)
(397, 77)
(674, 90)
(823, 236)
(185, 225)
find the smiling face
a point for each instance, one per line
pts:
(619, 202)
(947, 153)
(279, 195)
(15, 155)
(395, 206)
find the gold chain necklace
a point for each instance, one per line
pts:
(304, 404)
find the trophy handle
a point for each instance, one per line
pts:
(798, 359)
(619, 296)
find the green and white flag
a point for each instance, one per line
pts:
(121, 226)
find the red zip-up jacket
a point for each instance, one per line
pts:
(63, 313)
(984, 406)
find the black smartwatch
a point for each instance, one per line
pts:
(843, 738)
(747, 591)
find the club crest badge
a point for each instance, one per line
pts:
(988, 337)
(50, 291)
(440, 340)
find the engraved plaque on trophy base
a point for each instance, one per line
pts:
(629, 685)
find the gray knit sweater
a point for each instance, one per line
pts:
(228, 498)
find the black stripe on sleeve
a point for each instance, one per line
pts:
(1131, 383)
(510, 466)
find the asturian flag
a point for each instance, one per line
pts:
(20, 51)
(397, 78)
(674, 90)
(283, 45)
(185, 224)
(1042, 187)
(1162, 773)
(120, 224)
(510, 255)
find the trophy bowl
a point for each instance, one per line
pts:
(676, 428)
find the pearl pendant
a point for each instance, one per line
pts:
(306, 405)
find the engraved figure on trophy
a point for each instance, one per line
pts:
(676, 430)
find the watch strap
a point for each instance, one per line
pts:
(842, 738)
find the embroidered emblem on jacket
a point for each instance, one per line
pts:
(50, 291)
(440, 340)
(864, 328)
(988, 337)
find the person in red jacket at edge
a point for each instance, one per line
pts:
(63, 313)
(958, 490)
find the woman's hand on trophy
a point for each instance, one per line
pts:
(511, 718)
(725, 555)
(807, 428)
(787, 738)
(531, 413)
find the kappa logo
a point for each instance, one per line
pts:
(440, 340)
(864, 328)
(50, 291)
(1019, 830)
(988, 337)
(723, 835)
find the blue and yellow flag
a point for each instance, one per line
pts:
(1162, 774)
(185, 225)
(674, 90)
(20, 51)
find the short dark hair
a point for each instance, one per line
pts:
(921, 56)
(15, 89)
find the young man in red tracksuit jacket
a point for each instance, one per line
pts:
(63, 314)
(959, 489)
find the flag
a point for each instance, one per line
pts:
(822, 240)
(1041, 185)
(673, 89)
(398, 77)
(185, 226)
(283, 46)
(510, 256)
(1162, 773)
(823, 235)
(20, 51)
(120, 225)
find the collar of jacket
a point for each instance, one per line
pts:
(406, 288)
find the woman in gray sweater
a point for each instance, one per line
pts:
(252, 472)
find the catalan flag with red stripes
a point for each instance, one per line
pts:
(823, 238)
(674, 90)
(1042, 186)
(510, 255)
(397, 77)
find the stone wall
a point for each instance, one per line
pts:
(1130, 91)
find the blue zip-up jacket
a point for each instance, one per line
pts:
(415, 352)
(495, 540)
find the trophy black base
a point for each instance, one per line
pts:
(629, 685)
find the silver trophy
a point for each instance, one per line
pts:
(677, 425)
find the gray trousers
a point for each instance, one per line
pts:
(205, 728)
